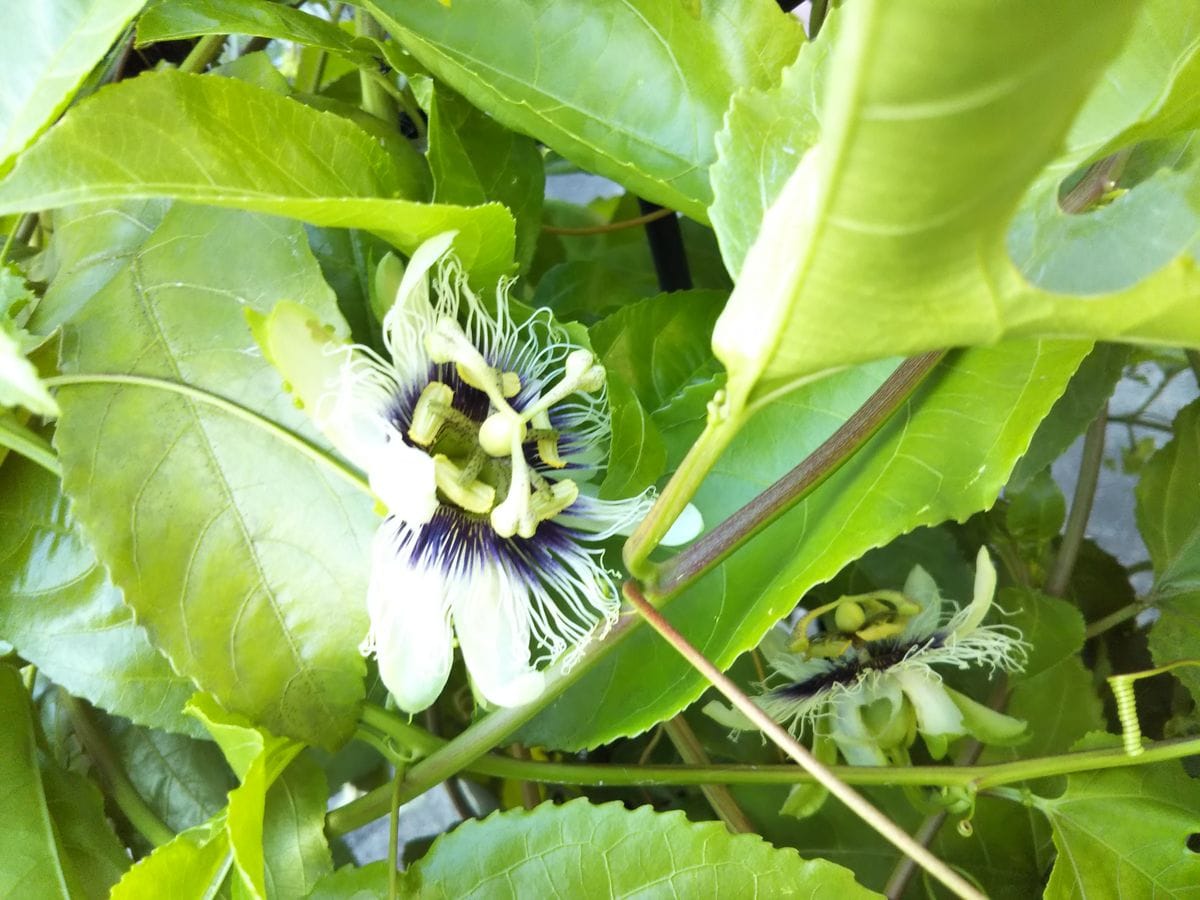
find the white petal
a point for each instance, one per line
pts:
(689, 524)
(985, 591)
(413, 293)
(402, 478)
(491, 618)
(410, 626)
(936, 712)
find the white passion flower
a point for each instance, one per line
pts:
(478, 433)
(869, 683)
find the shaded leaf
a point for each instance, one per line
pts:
(182, 779)
(638, 456)
(1168, 517)
(168, 20)
(943, 456)
(58, 608)
(475, 160)
(1071, 414)
(1128, 828)
(293, 161)
(232, 547)
(631, 90)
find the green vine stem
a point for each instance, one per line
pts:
(718, 795)
(397, 739)
(857, 803)
(121, 789)
(684, 568)
(236, 410)
(1081, 506)
(207, 49)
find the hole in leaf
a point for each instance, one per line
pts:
(1193, 842)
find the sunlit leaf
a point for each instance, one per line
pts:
(243, 558)
(631, 90)
(889, 237)
(59, 610)
(292, 161)
(46, 50)
(582, 850)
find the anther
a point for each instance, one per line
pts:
(472, 495)
(430, 413)
(546, 504)
(547, 440)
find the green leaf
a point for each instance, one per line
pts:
(182, 779)
(631, 90)
(97, 856)
(943, 456)
(579, 850)
(476, 160)
(660, 347)
(1127, 828)
(19, 382)
(89, 246)
(1035, 513)
(259, 758)
(169, 20)
(1091, 385)
(1054, 692)
(1169, 519)
(193, 865)
(227, 143)
(59, 610)
(638, 456)
(46, 50)
(197, 861)
(295, 853)
(243, 558)
(893, 225)
(57, 843)
(368, 882)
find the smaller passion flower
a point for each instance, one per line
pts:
(868, 684)
(478, 432)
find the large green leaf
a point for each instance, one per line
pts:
(59, 610)
(1124, 832)
(57, 842)
(630, 89)
(46, 50)
(243, 558)
(945, 455)
(892, 229)
(583, 850)
(227, 143)
(1168, 516)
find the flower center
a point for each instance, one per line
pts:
(478, 463)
